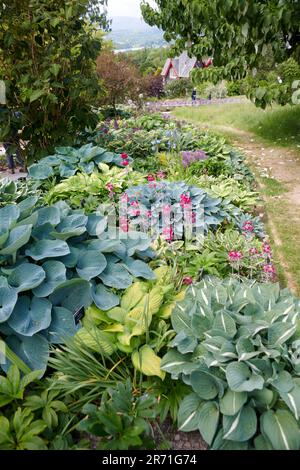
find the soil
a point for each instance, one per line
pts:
(179, 440)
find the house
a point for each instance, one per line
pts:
(181, 67)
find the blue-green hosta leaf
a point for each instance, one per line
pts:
(8, 300)
(261, 443)
(206, 385)
(71, 226)
(267, 294)
(48, 249)
(280, 332)
(281, 429)
(42, 232)
(208, 419)
(240, 427)
(221, 349)
(104, 298)
(188, 413)
(40, 171)
(3, 237)
(27, 205)
(34, 351)
(224, 325)
(55, 275)
(181, 320)
(175, 363)
(62, 326)
(219, 296)
(48, 215)
(66, 170)
(184, 344)
(30, 316)
(8, 217)
(30, 220)
(245, 349)
(72, 295)
(283, 382)
(72, 258)
(18, 237)
(52, 160)
(292, 399)
(262, 398)
(232, 402)
(139, 269)
(87, 168)
(91, 265)
(26, 276)
(95, 223)
(241, 379)
(115, 275)
(222, 444)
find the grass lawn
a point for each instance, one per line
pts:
(277, 125)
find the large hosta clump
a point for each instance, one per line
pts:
(158, 199)
(67, 161)
(238, 347)
(53, 261)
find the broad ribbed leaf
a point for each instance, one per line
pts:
(292, 399)
(62, 325)
(55, 275)
(138, 268)
(281, 429)
(280, 332)
(208, 419)
(48, 249)
(18, 237)
(104, 298)
(206, 385)
(34, 351)
(147, 362)
(71, 226)
(8, 216)
(48, 215)
(91, 265)
(240, 427)
(175, 363)
(40, 171)
(72, 295)
(241, 379)
(115, 275)
(188, 413)
(232, 402)
(30, 315)
(26, 277)
(8, 300)
(224, 325)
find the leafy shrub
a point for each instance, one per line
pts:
(236, 88)
(178, 88)
(237, 347)
(289, 70)
(67, 161)
(216, 91)
(53, 261)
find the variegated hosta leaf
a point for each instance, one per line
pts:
(188, 413)
(292, 399)
(241, 379)
(208, 420)
(279, 333)
(147, 362)
(206, 385)
(175, 363)
(281, 429)
(240, 427)
(232, 402)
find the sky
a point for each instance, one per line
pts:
(124, 8)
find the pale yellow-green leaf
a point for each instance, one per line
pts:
(146, 361)
(133, 295)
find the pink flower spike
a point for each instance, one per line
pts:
(166, 209)
(267, 248)
(110, 186)
(168, 233)
(269, 269)
(149, 214)
(253, 251)
(187, 280)
(235, 256)
(161, 175)
(124, 156)
(125, 162)
(150, 178)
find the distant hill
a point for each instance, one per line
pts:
(131, 33)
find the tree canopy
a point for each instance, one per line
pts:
(238, 34)
(48, 50)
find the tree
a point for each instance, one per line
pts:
(121, 79)
(236, 33)
(48, 50)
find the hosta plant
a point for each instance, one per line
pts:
(12, 192)
(53, 261)
(237, 347)
(67, 161)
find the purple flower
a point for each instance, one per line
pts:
(189, 156)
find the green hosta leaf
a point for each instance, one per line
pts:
(262, 398)
(232, 402)
(283, 382)
(18, 237)
(175, 363)
(95, 224)
(72, 295)
(222, 444)
(71, 226)
(240, 427)
(97, 340)
(8, 216)
(27, 205)
(104, 298)
(147, 362)
(26, 277)
(30, 316)
(184, 344)
(115, 275)
(55, 275)
(34, 351)
(188, 413)
(292, 399)
(48, 249)
(62, 325)
(91, 265)
(48, 215)
(279, 333)
(133, 295)
(138, 268)
(181, 320)
(40, 171)
(281, 429)
(206, 385)
(8, 300)
(245, 349)
(208, 419)
(260, 443)
(224, 325)
(66, 170)
(241, 379)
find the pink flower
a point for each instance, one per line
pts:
(269, 269)
(124, 156)
(125, 162)
(110, 187)
(248, 226)
(194, 217)
(185, 200)
(124, 224)
(166, 209)
(235, 256)
(168, 233)
(161, 175)
(134, 204)
(149, 214)
(152, 185)
(253, 251)
(124, 197)
(150, 178)
(187, 280)
(267, 248)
